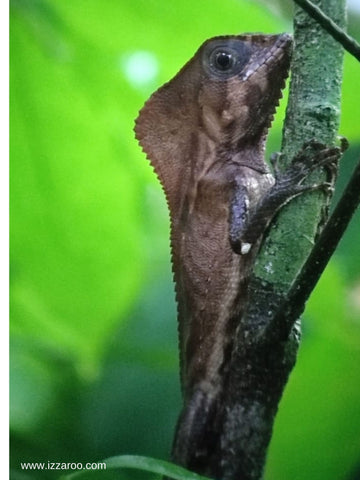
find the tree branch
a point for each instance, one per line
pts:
(313, 111)
(267, 336)
(321, 253)
(348, 42)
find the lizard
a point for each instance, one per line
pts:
(204, 133)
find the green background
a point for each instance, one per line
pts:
(94, 362)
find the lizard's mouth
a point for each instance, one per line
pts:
(266, 77)
(277, 64)
(257, 168)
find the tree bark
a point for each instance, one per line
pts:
(266, 344)
(313, 112)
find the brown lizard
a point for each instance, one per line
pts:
(204, 133)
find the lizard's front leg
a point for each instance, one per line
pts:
(247, 227)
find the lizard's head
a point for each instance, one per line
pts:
(223, 99)
(241, 87)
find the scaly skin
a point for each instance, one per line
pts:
(204, 133)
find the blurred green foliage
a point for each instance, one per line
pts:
(94, 368)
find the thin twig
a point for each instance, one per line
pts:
(322, 251)
(348, 42)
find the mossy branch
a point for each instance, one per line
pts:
(313, 112)
(349, 43)
(266, 343)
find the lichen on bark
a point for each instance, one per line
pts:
(313, 112)
(267, 341)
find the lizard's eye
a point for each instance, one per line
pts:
(226, 58)
(223, 60)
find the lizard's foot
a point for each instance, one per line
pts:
(288, 185)
(312, 156)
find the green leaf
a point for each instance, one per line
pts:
(76, 255)
(146, 464)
